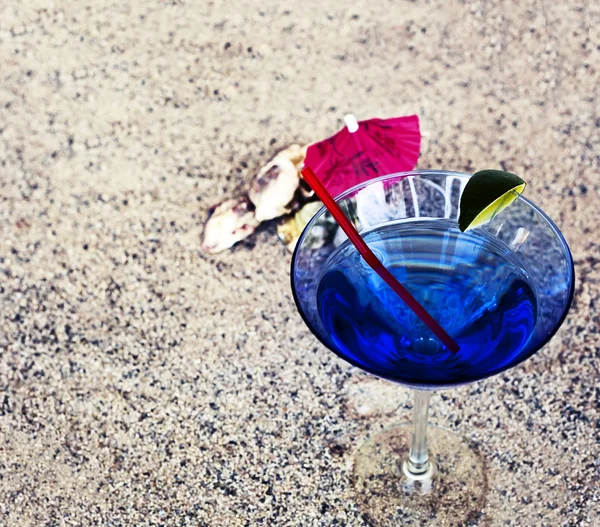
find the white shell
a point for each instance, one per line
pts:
(232, 221)
(276, 183)
(274, 187)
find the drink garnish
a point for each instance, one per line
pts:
(486, 194)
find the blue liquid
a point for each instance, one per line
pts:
(471, 283)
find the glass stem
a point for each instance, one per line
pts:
(418, 457)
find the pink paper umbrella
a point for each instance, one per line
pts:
(364, 150)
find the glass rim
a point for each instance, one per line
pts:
(554, 228)
(421, 172)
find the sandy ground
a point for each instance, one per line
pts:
(145, 383)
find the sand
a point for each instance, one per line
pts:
(146, 383)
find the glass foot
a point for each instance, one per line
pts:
(451, 492)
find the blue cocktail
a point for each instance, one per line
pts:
(501, 291)
(473, 286)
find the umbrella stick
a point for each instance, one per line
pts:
(369, 257)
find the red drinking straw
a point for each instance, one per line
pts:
(369, 257)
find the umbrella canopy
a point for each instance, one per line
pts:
(364, 150)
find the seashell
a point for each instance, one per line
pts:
(290, 227)
(231, 221)
(276, 184)
(277, 189)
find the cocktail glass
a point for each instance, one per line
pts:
(501, 291)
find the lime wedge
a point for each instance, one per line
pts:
(486, 194)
